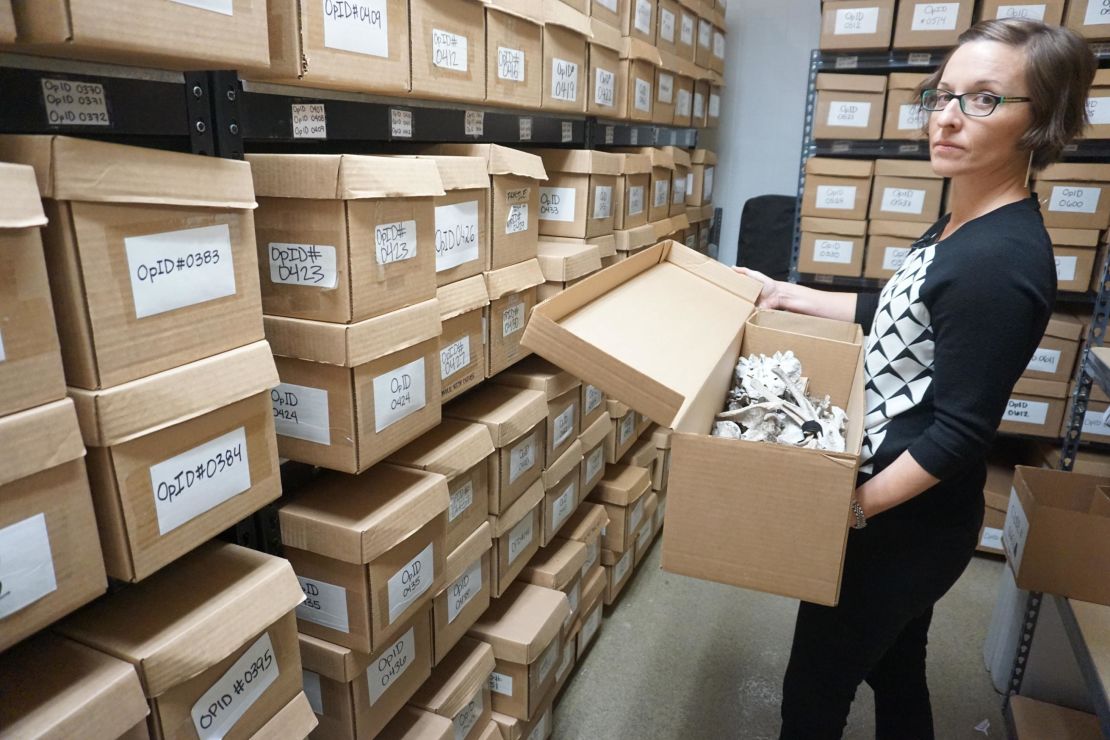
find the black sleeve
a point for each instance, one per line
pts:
(866, 306)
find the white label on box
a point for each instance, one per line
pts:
(718, 44)
(589, 629)
(666, 88)
(666, 25)
(1069, 199)
(707, 185)
(911, 117)
(610, 5)
(73, 103)
(593, 396)
(682, 104)
(620, 570)
(517, 220)
(182, 268)
(324, 604)
(603, 201)
(456, 234)
(398, 393)
(659, 198)
(411, 582)
(893, 257)
(499, 683)
(391, 665)
(454, 357)
(852, 114)
(187, 485)
(714, 105)
(690, 182)
(1098, 13)
(1026, 412)
(564, 506)
(557, 204)
(1094, 422)
(474, 123)
(301, 411)
(836, 197)
(699, 105)
(1044, 360)
(2, 355)
(935, 16)
(1065, 267)
(461, 501)
(686, 30)
(512, 320)
(637, 515)
(834, 251)
(705, 32)
(567, 662)
(311, 265)
(564, 426)
(1024, 12)
(449, 50)
(643, 537)
(26, 564)
(593, 551)
(310, 121)
(524, 128)
(395, 242)
(903, 200)
(679, 190)
(1015, 530)
(547, 662)
(858, 21)
(400, 123)
(1098, 111)
(522, 458)
(634, 134)
(635, 200)
(574, 596)
(566, 130)
(642, 21)
(520, 537)
(564, 80)
(643, 95)
(463, 590)
(311, 683)
(229, 698)
(605, 86)
(595, 463)
(361, 27)
(628, 426)
(992, 538)
(468, 716)
(510, 64)
(223, 7)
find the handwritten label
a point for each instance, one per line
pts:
(634, 136)
(463, 590)
(642, 100)
(564, 80)
(847, 62)
(666, 25)
(662, 189)
(1065, 268)
(574, 596)
(187, 485)
(474, 123)
(499, 683)
(73, 103)
(454, 357)
(705, 33)
(610, 5)
(620, 570)
(1071, 199)
(637, 515)
(1098, 110)
(893, 257)
(686, 30)
(851, 114)
(991, 539)
(563, 426)
(834, 251)
(395, 242)
(714, 105)
(449, 50)
(594, 396)
(679, 190)
(564, 506)
(522, 458)
(360, 27)
(1024, 12)
(836, 197)
(468, 716)
(718, 44)
(666, 88)
(566, 131)
(520, 537)
(699, 105)
(1015, 530)
(510, 64)
(26, 564)
(642, 19)
(603, 201)
(324, 604)
(310, 121)
(512, 320)
(517, 220)
(1044, 360)
(524, 128)
(595, 464)
(219, 708)
(568, 658)
(301, 411)
(557, 204)
(391, 665)
(461, 501)
(605, 85)
(935, 16)
(456, 234)
(858, 21)
(644, 536)
(223, 7)
(609, 133)
(175, 269)
(635, 200)
(311, 683)
(398, 394)
(682, 103)
(1026, 412)
(627, 428)
(309, 265)
(400, 123)
(1098, 13)
(903, 200)
(911, 117)
(411, 582)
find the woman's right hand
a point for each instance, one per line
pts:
(771, 296)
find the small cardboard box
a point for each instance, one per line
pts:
(540, 728)
(832, 246)
(610, 12)
(682, 175)
(356, 694)
(666, 88)
(366, 563)
(700, 118)
(638, 20)
(618, 572)
(1057, 533)
(646, 535)
(996, 499)
(703, 170)
(633, 241)
(837, 188)
(1075, 196)
(905, 119)
(591, 618)
(1034, 719)
(630, 204)
(30, 359)
(514, 53)
(713, 109)
(560, 483)
(684, 92)
(927, 25)
(416, 724)
(1046, 11)
(667, 33)
(516, 419)
(565, 261)
(512, 295)
(659, 190)
(54, 687)
(558, 566)
(561, 391)
(1088, 18)
(467, 593)
(1056, 353)
(462, 231)
(593, 453)
(516, 537)
(849, 106)
(1075, 251)
(448, 49)
(193, 630)
(639, 61)
(524, 628)
(461, 452)
(593, 407)
(906, 190)
(622, 432)
(458, 689)
(344, 238)
(586, 526)
(888, 245)
(366, 389)
(577, 200)
(1036, 407)
(858, 25)
(703, 53)
(1098, 106)
(565, 58)
(686, 38)
(50, 558)
(605, 82)
(623, 492)
(463, 360)
(662, 439)
(151, 255)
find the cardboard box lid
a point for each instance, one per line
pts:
(123, 412)
(295, 719)
(54, 687)
(996, 490)
(38, 439)
(357, 518)
(840, 226)
(522, 623)
(681, 157)
(707, 156)
(687, 68)
(190, 615)
(330, 660)
(585, 524)
(579, 161)
(462, 296)
(905, 168)
(87, 170)
(900, 229)
(627, 240)
(1042, 388)
(595, 433)
(906, 80)
(851, 83)
(473, 547)
(558, 13)
(524, 9)
(606, 35)
(1068, 171)
(506, 411)
(562, 262)
(351, 345)
(635, 163)
(563, 466)
(500, 160)
(538, 374)
(592, 588)
(556, 565)
(1064, 326)
(492, 732)
(659, 156)
(1073, 237)
(622, 485)
(20, 203)
(667, 226)
(1037, 719)
(451, 448)
(464, 671)
(513, 279)
(641, 454)
(639, 50)
(343, 176)
(662, 438)
(840, 167)
(616, 409)
(460, 173)
(519, 509)
(411, 723)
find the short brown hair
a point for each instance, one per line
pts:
(1059, 70)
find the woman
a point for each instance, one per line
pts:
(947, 339)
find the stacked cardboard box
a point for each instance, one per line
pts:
(1050, 11)
(1075, 204)
(1039, 405)
(564, 262)
(834, 211)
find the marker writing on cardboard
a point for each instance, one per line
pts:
(352, 11)
(392, 663)
(183, 480)
(297, 263)
(151, 272)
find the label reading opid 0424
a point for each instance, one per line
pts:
(301, 412)
(398, 394)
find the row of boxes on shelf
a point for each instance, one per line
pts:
(646, 60)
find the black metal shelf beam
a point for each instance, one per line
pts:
(878, 61)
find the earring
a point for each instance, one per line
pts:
(1029, 169)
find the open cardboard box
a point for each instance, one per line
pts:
(737, 508)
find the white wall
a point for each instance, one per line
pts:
(766, 74)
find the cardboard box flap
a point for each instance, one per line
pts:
(524, 9)
(38, 439)
(462, 296)
(451, 448)
(579, 161)
(1042, 388)
(87, 170)
(642, 453)
(457, 678)
(1073, 237)
(329, 660)
(562, 262)
(563, 466)
(900, 229)
(606, 245)
(1065, 171)
(708, 156)
(20, 203)
(596, 433)
(667, 226)
(638, 49)
(507, 412)
(190, 615)
(622, 485)
(513, 279)
(538, 374)
(519, 509)
(592, 588)
(843, 227)
(681, 157)
(833, 167)
(522, 623)
(123, 412)
(662, 438)
(411, 723)
(659, 156)
(616, 409)
(558, 13)
(295, 720)
(461, 173)
(350, 345)
(556, 565)
(343, 176)
(635, 163)
(627, 240)
(906, 80)
(905, 168)
(851, 83)
(687, 68)
(473, 547)
(996, 490)
(1064, 326)
(606, 35)
(500, 160)
(357, 518)
(586, 523)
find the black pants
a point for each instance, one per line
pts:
(894, 571)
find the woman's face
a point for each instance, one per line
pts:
(962, 144)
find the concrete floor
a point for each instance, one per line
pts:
(683, 659)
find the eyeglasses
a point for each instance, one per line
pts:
(978, 104)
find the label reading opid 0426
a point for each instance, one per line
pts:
(187, 485)
(456, 234)
(219, 708)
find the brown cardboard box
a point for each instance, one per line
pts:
(561, 498)
(1098, 107)
(593, 407)
(686, 36)
(906, 190)
(682, 175)
(586, 526)
(565, 261)
(458, 689)
(888, 244)
(684, 91)
(355, 693)
(618, 572)
(849, 106)
(858, 25)
(659, 190)
(1046, 11)
(700, 181)
(1056, 353)
(467, 593)
(700, 118)
(462, 344)
(623, 492)
(673, 228)
(566, 664)
(368, 388)
(593, 453)
(344, 238)
(605, 82)
(837, 188)
(1074, 196)
(662, 439)
(559, 566)
(30, 360)
(832, 246)
(622, 433)
(50, 560)
(1035, 719)
(591, 619)
(703, 53)
(904, 117)
(462, 231)
(174, 457)
(609, 12)
(713, 108)
(642, 454)
(516, 537)
(1057, 533)
(666, 86)
(296, 718)
(717, 59)
(514, 53)
(184, 36)
(54, 687)
(639, 61)
(415, 724)
(1075, 251)
(524, 628)
(193, 630)
(565, 58)
(925, 25)
(448, 49)
(512, 295)
(638, 20)
(630, 197)
(577, 200)
(540, 728)
(1036, 407)
(1089, 19)
(646, 535)
(130, 230)
(633, 241)
(561, 391)
(7, 22)
(668, 28)
(366, 563)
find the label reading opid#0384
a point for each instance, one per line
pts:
(187, 485)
